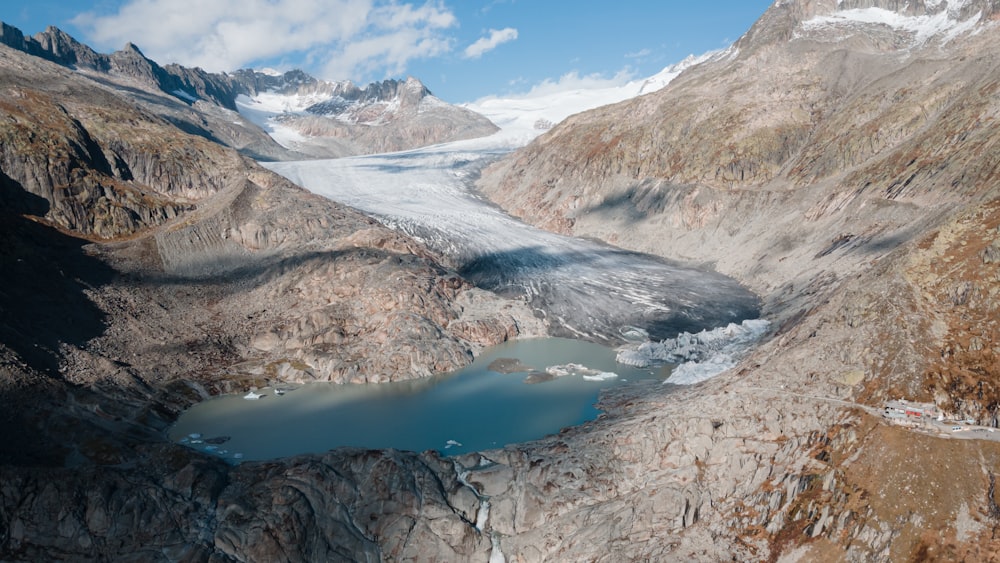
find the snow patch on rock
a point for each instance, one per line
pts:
(944, 24)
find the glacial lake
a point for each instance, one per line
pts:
(512, 393)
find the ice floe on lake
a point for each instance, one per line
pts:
(586, 373)
(699, 356)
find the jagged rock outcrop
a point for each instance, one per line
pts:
(98, 160)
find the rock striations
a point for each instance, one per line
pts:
(840, 159)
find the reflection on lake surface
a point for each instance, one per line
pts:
(556, 385)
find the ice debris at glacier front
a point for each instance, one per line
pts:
(700, 356)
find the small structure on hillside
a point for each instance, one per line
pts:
(909, 413)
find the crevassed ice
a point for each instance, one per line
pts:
(700, 356)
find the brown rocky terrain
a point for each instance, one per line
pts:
(844, 172)
(849, 175)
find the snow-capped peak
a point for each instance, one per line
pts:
(523, 117)
(667, 75)
(941, 20)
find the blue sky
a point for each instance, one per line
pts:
(462, 50)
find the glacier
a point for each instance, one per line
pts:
(584, 289)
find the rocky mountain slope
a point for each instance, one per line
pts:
(337, 118)
(842, 162)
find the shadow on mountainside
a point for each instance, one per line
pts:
(641, 201)
(43, 282)
(244, 272)
(594, 294)
(44, 306)
(504, 270)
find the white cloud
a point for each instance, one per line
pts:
(487, 44)
(349, 37)
(573, 81)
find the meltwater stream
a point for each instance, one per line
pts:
(585, 289)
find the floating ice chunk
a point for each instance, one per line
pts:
(451, 443)
(700, 355)
(563, 370)
(602, 376)
(194, 435)
(586, 373)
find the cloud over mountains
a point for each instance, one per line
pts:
(345, 38)
(490, 42)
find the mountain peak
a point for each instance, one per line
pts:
(885, 24)
(133, 48)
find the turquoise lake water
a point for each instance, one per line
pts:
(473, 409)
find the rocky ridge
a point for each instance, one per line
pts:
(342, 119)
(336, 119)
